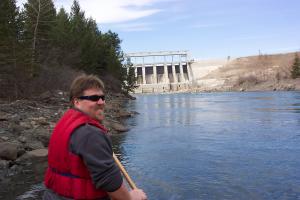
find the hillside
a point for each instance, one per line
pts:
(253, 73)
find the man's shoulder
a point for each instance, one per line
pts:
(88, 136)
(87, 131)
(88, 128)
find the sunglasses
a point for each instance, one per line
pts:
(93, 97)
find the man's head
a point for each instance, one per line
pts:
(87, 95)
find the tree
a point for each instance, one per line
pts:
(111, 49)
(9, 31)
(296, 67)
(39, 19)
(10, 27)
(129, 84)
(61, 35)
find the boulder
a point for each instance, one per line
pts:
(38, 153)
(3, 117)
(4, 138)
(8, 151)
(123, 113)
(44, 137)
(32, 145)
(119, 127)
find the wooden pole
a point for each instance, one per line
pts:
(124, 172)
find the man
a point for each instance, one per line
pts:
(80, 159)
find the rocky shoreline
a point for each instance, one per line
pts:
(26, 126)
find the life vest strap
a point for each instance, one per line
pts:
(66, 174)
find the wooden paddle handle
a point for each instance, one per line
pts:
(124, 172)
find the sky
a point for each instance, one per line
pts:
(208, 29)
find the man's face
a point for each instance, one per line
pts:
(94, 109)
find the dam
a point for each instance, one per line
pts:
(161, 71)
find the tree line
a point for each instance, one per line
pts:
(40, 47)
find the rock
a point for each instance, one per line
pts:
(33, 123)
(39, 121)
(3, 117)
(45, 95)
(124, 114)
(119, 127)
(8, 151)
(16, 118)
(135, 113)
(42, 121)
(4, 138)
(44, 137)
(130, 97)
(15, 128)
(289, 87)
(34, 145)
(21, 151)
(22, 139)
(4, 164)
(25, 125)
(38, 153)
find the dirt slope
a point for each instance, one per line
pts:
(263, 72)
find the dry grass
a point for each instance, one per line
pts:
(255, 72)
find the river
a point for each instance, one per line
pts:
(239, 145)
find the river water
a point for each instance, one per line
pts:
(215, 145)
(212, 146)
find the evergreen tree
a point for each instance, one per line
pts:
(78, 24)
(296, 67)
(10, 27)
(9, 31)
(129, 84)
(61, 34)
(77, 33)
(114, 56)
(89, 48)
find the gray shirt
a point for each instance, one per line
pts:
(95, 149)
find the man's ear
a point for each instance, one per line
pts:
(75, 101)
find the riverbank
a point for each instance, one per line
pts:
(252, 73)
(25, 129)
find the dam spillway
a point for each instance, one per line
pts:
(162, 71)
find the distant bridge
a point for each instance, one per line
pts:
(161, 71)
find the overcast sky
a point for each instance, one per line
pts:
(207, 28)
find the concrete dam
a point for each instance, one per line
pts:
(169, 71)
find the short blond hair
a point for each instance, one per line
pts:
(84, 82)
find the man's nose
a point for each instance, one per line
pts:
(101, 101)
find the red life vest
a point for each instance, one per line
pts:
(67, 175)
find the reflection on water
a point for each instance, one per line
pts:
(215, 145)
